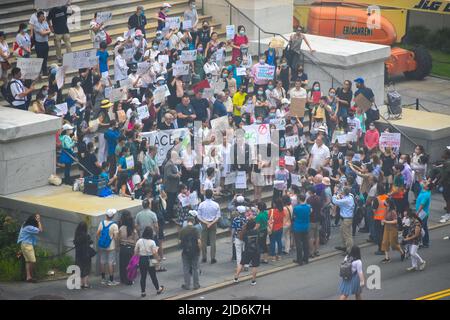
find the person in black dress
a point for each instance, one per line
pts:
(83, 253)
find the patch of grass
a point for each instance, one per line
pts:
(441, 61)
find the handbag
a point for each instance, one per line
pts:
(91, 252)
(108, 38)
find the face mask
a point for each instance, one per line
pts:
(159, 37)
(316, 88)
(155, 47)
(142, 13)
(401, 161)
(138, 38)
(193, 6)
(54, 71)
(161, 83)
(300, 71)
(260, 93)
(272, 114)
(293, 121)
(284, 65)
(45, 93)
(224, 75)
(258, 121)
(270, 87)
(79, 84)
(242, 32)
(332, 95)
(25, 30)
(200, 50)
(372, 128)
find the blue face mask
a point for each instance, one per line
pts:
(270, 87)
(155, 47)
(54, 71)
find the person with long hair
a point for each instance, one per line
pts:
(390, 235)
(413, 238)
(355, 284)
(251, 254)
(275, 228)
(83, 253)
(27, 240)
(147, 251)
(128, 236)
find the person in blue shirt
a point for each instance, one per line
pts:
(105, 174)
(103, 56)
(423, 208)
(346, 204)
(300, 227)
(112, 138)
(219, 108)
(27, 240)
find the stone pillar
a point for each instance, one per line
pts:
(27, 149)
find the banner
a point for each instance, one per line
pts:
(241, 180)
(297, 108)
(80, 59)
(172, 22)
(280, 123)
(103, 17)
(188, 55)
(265, 72)
(164, 140)
(61, 109)
(220, 123)
(160, 94)
(143, 68)
(47, 4)
(143, 112)
(231, 31)
(292, 141)
(30, 67)
(257, 134)
(180, 70)
(390, 140)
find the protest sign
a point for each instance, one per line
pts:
(164, 140)
(362, 102)
(390, 140)
(143, 68)
(342, 138)
(103, 17)
(61, 109)
(241, 71)
(187, 24)
(80, 59)
(230, 178)
(280, 123)
(164, 59)
(193, 199)
(241, 180)
(60, 77)
(128, 54)
(126, 84)
(108, 92)
(220, 123)
(30, 67)
(118, 94)
(130, 162)
(218, 86)
(296, 180)
(231, 31)
(47, 4)
(257, 134)
(143, 112)
(208, 93)
(188, 55)
(290, 161)
(297, 108)
(72, 110)
(160, 94)
(292, 141)
(265, 72)
(130, 33)
(173, 22)
(180, 70)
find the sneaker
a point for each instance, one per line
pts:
(183, 286)
(104, 282)
(423, 265)
(317, 254)
(385, 260)
(253, 283)
(213, 261)
(444, 220)
(161, 290)
(143, 294)
(411, 269)
(236, 280)
(113, 283)
(446, 216)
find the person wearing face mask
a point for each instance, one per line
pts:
(284, 74)
(162, 15)
(239, 39)
(191, 15)
(37, 106)
(204, 35)
(76, 93)
(138, 21)
(153, 52)
(300, 75)
(139, 42)
(120, 66)
(211, 68)
(22, 47)
(258, 82)
(261, 104)
(372, 138)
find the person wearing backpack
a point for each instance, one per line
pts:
(251, 255)
(352, 275)
(108, 234)
(17, 95)
(190, 244)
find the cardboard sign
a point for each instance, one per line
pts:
(172, 22)
(193, 199)
(280, 123)
(47, 4)
(265, 72)
(61, 109)
(103, 17)
(257, 134)
(60, 77)
(143, 112)
(292, 141)
(187, 24)
(290, 161)
(118, 94)
(220, 124)
(241, 180)
(180, 70)
(296, 180)
(392, 140)
(297, 108)
(30, 67)
(143, 68)
(164, 59)
(241, 71)
(362, 102)
(230, 178)
(231, 31)
(160, 94)
(81, 59)
(188, 55)
(122, 116)
(164, 140)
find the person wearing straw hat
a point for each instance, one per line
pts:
(103, 125)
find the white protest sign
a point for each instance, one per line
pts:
(108, 91)
(163, 58)
(30, 67)
(143, 112)
(292, 141)
(127, 83)
(230, 178)
(290, 161)
(164, 140)
(160, 94)
(390, 140)
(130, 33)
(128, 54)
(180, 70)
(118, 94)
(218, 86)
(220, 124)
(47, 4)
(241, 180)
(80, 59)
(231, 31)
(208, 93)
(342, 139)
(172, 22)
(280, 123)
(296, 180)
(130, 162)
(193, 199)
(103, 17)
(61, 109)
(60, 77)
(188, 55)
(187, 24)
(72, 110)
(143, 68)
(241, 71)
(265, 72)
(257, 134)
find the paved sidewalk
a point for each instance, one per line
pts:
(213, 276)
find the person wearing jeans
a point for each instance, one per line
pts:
(300, 227)
(42, 32)
(423, 208)
(276, 219)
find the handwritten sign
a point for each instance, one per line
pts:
(188, 55)
(143, 68)
(163, 58)
(257, 134)
(103, 17)
(130, 33)
(265, 72)
(108, 92)
(61, 109)
(30, 67)
(172, 22)
(80, 59)
(342, 139)
(297, 108)
(128, 54)
(290, 161)
(391, 140)
(130, 162)
(220, 124)
(60, 77)
(292, 141)
(118, 94)
(187, 24)
(47, 4)
(180, 70)
(296, 180)
(160, 94)
(126, 84)
(230, 178)
(241, 180)
(280, 123)
(231, 31)
(143, 112)
(241, 71)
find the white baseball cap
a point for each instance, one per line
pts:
(285, 101)
(240, 199)
(120, 39)
(67, 127)
(111, 212)
(160, 79)
(166, 5)
(193, 213)
(241, 209)
(135, 101)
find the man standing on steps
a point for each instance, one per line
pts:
(209, 214)
(42, 32)
(57, 20)
(138, 21)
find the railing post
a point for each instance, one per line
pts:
(417, 104)
(259, 42)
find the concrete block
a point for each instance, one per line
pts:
(27, 147)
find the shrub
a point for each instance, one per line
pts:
(9, 230)
(417, 35)
(10, 270)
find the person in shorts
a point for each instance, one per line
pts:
(27, 239)
(108, 255)
(251, 255)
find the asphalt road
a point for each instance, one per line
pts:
(319, 280)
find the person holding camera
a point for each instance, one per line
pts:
(346, 204)
(27, 239)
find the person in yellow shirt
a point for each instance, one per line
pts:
(239, 99)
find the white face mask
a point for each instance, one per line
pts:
(401, 161)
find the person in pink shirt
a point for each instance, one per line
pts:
(259, 83)
(372, 138)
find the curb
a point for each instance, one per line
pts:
(288, 266)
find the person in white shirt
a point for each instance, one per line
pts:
(210, 67)
(208, 215)
(319, 154)
(151, 53)
(120, 66)
(354, 125)
(298, 91)
(140, 44)
(23, 40)
(19, 92)
(4, 56)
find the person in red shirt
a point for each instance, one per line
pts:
(275, 228)
(239, 39)
(372, 138)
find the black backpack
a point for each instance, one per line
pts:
(345, 270)
(190, 247)
(7, 93)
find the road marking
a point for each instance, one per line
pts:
(436, 295)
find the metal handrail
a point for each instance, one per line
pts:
(418, 105)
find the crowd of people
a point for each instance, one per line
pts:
(317, 183)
